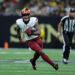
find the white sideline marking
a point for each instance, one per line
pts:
(13, 65)
(25, 61)
(40, 66)
(28, 60)
(15, 52)
(38, 72)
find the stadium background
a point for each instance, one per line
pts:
(49, 13)
(15, 59)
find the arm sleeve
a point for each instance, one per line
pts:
(36, 21)
(63, 18)
(17, 23)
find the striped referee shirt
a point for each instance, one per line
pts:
(68, 24)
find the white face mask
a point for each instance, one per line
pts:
(26, 19)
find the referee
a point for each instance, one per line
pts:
(66, 26)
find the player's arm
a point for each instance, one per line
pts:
(37, 30)
(19, 32)
(59, 28)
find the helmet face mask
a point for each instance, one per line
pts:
(25, 14)
(26, 18)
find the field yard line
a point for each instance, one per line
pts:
(38, 72)
(15, 52)
(39, 66)
(16, 65)
(17, 60)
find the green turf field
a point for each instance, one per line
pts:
(16, 62)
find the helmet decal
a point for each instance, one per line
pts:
(25, 11)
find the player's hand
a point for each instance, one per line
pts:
(20, 41)
(59, 34)
(28, 31)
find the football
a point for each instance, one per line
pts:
(33, 28)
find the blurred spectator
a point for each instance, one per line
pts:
(67, 10)
(37, 7)
(6, 7)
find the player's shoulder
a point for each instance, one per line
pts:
(65, 17)
(34, 18)
(19, 20)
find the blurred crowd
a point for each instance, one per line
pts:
(37, 7)
(7, 6)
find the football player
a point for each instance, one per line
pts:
(29, 26)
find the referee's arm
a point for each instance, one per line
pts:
(59, 28)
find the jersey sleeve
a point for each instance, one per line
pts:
(36, 20)
(63, 18)
(17, 23)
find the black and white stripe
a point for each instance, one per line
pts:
(68, 24)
